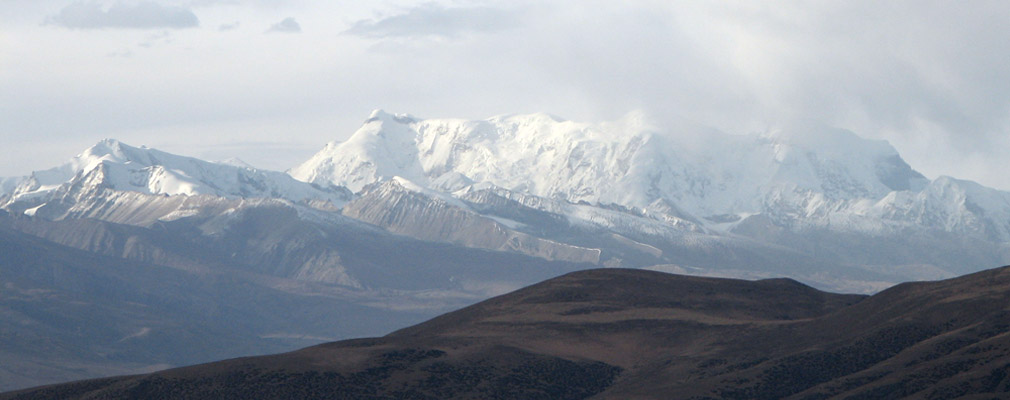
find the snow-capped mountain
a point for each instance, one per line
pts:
(629, 163)
(816, 190)
(117, 167)
(624, 193)
(8, 184)
(799, 178)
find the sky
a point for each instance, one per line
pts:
(271, 82)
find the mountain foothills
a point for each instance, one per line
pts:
(410, 218)
(636, 334)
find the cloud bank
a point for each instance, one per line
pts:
(932, 78)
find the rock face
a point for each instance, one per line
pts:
(395, 207)
(617, 334)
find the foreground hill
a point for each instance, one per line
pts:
(616, 333)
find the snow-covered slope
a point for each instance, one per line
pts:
(401, 207)
(798, 178)
(8, 184)
(536, 153)
(113, 165)
(798, 175)
(951, 205)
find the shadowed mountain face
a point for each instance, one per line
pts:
(620, 334)
(85, 298)
(70, 314)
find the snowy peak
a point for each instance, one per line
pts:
(799, 177)
(381, 149)
(502, 150)
(235, 162)
(837, 157)
(966, 207)
(113, 165)
(629, 162)
(379, 115)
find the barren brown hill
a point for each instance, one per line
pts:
(627, 334)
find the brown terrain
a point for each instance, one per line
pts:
(634, 334)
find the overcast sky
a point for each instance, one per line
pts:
(271, 82)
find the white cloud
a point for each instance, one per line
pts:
(287, 25)
(228, 26)
(142, 15)
(432, 19)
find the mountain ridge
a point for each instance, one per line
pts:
(628, 190)
(116, 166)
(637, 163)
(420, 233)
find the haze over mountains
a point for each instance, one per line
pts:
(410, 218)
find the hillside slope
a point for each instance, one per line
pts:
(638, 334)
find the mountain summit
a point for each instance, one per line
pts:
(629, 163)
(824, 192)
(115, 166)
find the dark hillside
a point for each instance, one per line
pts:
(620, 334)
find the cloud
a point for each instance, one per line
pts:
(228, 27)
(288, 25)
(436, 20)
(142, 15)
(156, 39)
(923, 76)
(124, 53)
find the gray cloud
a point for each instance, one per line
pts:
(288, 25)
(142, 15)
(435, 20)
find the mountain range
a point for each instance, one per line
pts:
(646, 196)
(409, 218)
